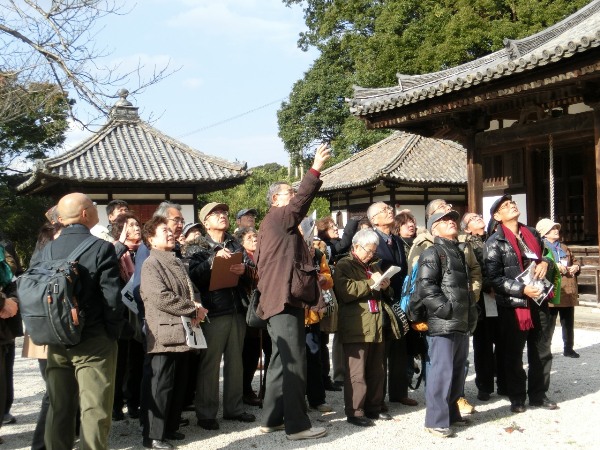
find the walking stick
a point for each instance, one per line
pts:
(261, 384)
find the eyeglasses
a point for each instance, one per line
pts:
(177, 220)
(474, 217)
(218, 213)
(507, 204)
(387, 209)
(444, 206)
(94, 204)
(368, 252)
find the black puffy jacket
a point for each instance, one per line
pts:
(444, 289)
(502, 267)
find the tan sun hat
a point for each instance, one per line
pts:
(545, 225)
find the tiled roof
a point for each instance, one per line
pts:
(129, 150)
(403, 158)
(577, 33)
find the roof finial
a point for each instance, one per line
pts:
(123, 93)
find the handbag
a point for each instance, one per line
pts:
(252, 318)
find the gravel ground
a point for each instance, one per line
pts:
(574, 385)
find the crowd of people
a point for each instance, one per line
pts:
(145, 286)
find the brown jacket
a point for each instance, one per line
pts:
(286, 274)
(166, 291)
(569, 295)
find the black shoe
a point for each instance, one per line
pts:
(543, 403)
(517, 407)
(380, 416)
(502, 392)
(175, 436)
(252, 399)
(118, 415)
(483, 396)
(360, 421)
(134, 413)
(184, 422)
(571, 354)
(155, 443)
(208, 424)
(243, 417)
(338, 383)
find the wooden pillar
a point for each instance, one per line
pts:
(596, 107)
(474, 174)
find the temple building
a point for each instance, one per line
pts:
(129, 159)
(527, 115)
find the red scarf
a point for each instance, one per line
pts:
(523, 314)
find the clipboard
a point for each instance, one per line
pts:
(220, 275)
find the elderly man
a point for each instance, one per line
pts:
(443, 288)
(390, 251)
(287, 282)
(508, 252)
(227, 327)
(424, 241)
(83, 375)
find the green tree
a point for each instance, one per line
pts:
(367, 42)
(253, 193)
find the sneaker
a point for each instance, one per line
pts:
(266, 429)
(440, 432)
(311, 433)
(464, 406)
(8, 419)
(323, 407)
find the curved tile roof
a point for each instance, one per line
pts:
(403, 158)
(575, 34)
(129, 150)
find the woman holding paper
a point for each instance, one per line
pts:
(360, 328)
(168, 294)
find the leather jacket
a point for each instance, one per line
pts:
(445, 293)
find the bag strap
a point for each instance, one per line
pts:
(81, 248)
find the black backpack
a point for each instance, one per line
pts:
(48, 298)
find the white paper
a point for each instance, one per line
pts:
(194, 336)
(528, 278)
(491, 309)
(392, 270)
(127, 296)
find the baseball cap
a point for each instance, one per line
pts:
(210, 207)
(243, 212)
(436, 217)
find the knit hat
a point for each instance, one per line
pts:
(545, 225)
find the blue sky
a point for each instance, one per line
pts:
(235, 56)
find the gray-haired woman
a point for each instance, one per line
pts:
(360, 328)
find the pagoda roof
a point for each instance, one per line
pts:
(578, 33)
(128, 151)
(403, 158)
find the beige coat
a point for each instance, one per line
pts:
(167, 293)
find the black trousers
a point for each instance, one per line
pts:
(167, 391)
(251, 356)
(394, 366)
(487, 355)
(567, 323)
(536, 382)
(315, 389)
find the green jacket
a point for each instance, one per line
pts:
(353, 290)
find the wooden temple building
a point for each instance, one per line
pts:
(527, 115)
(129, 159)
(406, 170)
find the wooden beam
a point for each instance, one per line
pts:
(474, 175)
(578, 124)
(596, 107)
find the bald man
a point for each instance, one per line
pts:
(83, 375)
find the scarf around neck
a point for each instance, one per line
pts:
(523, 314)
